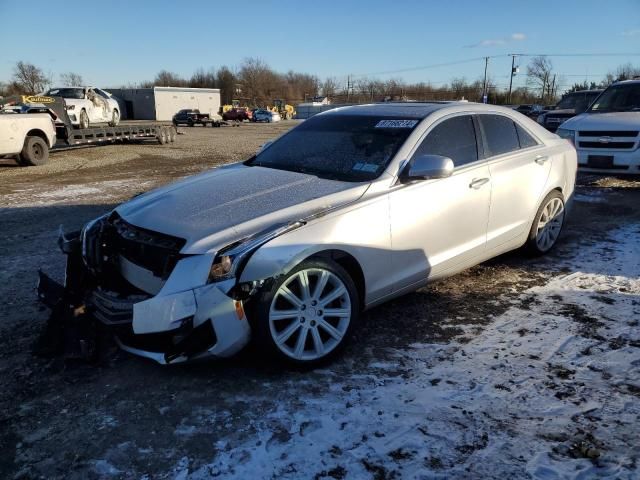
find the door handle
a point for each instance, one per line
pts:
(540, 159)
(476, 183)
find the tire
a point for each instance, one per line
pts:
(545, 232)
(162, 136)
(84, 119)
(190, 123)
(35, 152)
(115, 118)
(306, 336)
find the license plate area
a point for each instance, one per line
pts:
(600, 161)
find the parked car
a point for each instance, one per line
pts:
(570, 105)
(192, 116)
(607, 135)
(262, 115)
(530, 110)
(349, 209)
(27, 135)
(87, 105)
(238, 114)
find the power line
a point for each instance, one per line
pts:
(477, 59)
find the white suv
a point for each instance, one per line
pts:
(607, 135)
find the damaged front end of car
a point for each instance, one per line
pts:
(134, 285)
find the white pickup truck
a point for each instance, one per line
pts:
(607, 135)
(28, 135)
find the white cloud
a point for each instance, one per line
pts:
(493, 42)
(631, 33)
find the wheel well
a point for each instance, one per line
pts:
(350, 264)
(38, 133)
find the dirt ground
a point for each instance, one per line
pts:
(134, 419)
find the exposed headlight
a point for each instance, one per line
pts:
(229, 263)
(221, 268)
(567, 134)
(71, 107)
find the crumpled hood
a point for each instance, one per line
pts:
(226, 204)
(604, 121)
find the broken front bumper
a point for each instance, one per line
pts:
(186, 319)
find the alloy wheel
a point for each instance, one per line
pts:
(550, 224)
(310, 314)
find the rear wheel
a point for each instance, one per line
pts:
(190, 123)
(84, 119)
(115, 118)
(547, 224)
(307, 316)
(34, 152)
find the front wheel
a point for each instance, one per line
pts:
(547, 224)
(84, 119)
(306, 317)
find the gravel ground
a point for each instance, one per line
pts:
(133, 419)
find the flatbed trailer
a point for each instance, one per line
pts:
(156, 132)
(67, 135)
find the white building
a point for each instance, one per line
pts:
(161, 103)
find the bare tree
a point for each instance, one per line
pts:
(71, 79)
(329, 87)
(29, 79)
(623, 72)
(540, 75)
(164, 78)
(226, 81)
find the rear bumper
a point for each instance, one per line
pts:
(624, 162)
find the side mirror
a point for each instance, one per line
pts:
(428, 166)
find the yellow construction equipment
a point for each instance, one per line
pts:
(286, 111)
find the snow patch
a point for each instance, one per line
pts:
(548, 390)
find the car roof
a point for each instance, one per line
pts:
(595, 90)
(626, 82)
(417, 110)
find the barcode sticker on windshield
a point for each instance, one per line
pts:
(396, 124)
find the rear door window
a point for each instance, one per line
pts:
(499, 135)
(454, 138)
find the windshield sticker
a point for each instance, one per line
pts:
(396, 124)
(365, 167)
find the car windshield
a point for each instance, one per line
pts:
(75, 93)
(350, 148)
(569, 102)
(618, 98)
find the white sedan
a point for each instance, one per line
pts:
(87, 105)
(353, 207)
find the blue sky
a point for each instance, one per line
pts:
(121, 42)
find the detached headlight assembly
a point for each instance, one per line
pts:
(567, 135)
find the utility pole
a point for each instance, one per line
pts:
(348, 87)
(484, 87)
(513, 74)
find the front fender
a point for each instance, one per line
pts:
(361, 230)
